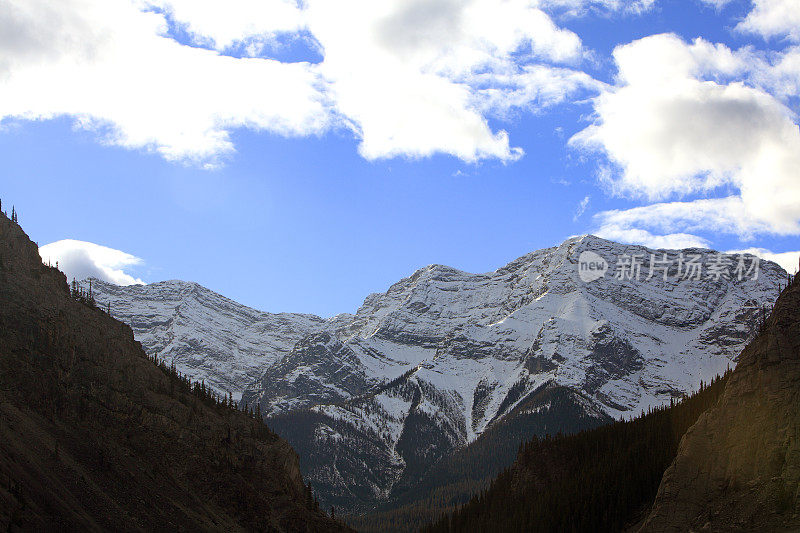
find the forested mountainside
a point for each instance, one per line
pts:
(95, 436)
(375, 401)
(452, 481)
(596, 480)
(725, 459)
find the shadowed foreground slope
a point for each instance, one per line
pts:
(598, 480)
(94, 436)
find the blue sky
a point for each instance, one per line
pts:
(304, 160)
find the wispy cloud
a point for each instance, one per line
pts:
(581, 209)
(718, 4)
(582, 7)
(670, 241)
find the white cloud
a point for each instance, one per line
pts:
(670, 241)
(677, 241)
(682, 121)
(773, 18)
(581, 209)
(419, 77)
(109, 65)
(787, 260)
(409, 78)
(718, 4)
(727, 215)
(81, 260)
(582, 7)
(783, 77)
(532, 88)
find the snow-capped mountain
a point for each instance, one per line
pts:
(426, 367)
(372, 400)
(207, 336)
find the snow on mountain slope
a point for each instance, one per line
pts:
(473, 346)
(206, 335)
(631, 344)
(373, 399)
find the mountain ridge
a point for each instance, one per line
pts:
(472, 347)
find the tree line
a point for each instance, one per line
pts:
(597, 480)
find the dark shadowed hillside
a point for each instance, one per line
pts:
(94, 436)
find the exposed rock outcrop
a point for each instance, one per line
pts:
(738, 467)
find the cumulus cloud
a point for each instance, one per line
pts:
(773, 18)
(408, 77)
(418, 77)
(81, 260)
(110, 65)
(690, 119)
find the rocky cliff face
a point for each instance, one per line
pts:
(93, 436)
(426, 367)
(738, 467)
